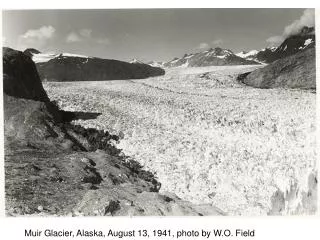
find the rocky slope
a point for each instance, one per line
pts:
(73, 67)
(295, 71)
(55, 168)
(20, 78)
(211, 57)
(303, 40)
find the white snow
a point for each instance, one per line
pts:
(189, 56)
(186, 64)
(174, 61)
(156, 64)
(307, 42)
(45, 57)
(73, 55)
(244, 54)
(136, 61)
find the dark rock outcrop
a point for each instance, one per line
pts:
(295, 71)
(20, 77)
(69, 68)
(31, 51)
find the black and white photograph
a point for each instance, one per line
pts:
(159, 112)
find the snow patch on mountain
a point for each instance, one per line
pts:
(308, 42)
(45, 57)
(73, 55)
(155, 64)
(245, 54)
(136, 61)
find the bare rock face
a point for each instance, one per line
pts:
(20, 77)
(295, 71)
(56, 168)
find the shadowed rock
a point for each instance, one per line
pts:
(20, 77)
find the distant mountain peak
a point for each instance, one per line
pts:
(136, 61)
(210, 57)
(307, 30)
(295, 43)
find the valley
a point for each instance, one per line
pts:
(207, 137)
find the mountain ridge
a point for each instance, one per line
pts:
(295, 43)
(75, 67)
(210, 57)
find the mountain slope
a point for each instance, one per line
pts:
(210, 57)
(295, 71)
(74, 67)
(293, 44)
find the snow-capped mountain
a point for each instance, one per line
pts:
(247, 55)
(262, 56)
(76, 67)
(39, 57)
(136, 61)
(293, 44)
(305, 39)
(211, 57)
(156, 64)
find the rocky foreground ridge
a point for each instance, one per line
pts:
(55, 168)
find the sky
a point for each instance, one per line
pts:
(149, 34)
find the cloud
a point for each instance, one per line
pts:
(103, 41)
(203, 45)
(44, 32)
(36, 37)
(306, 19)
(73, 37)
(275, 40)
(85, 35)
(217, 42)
